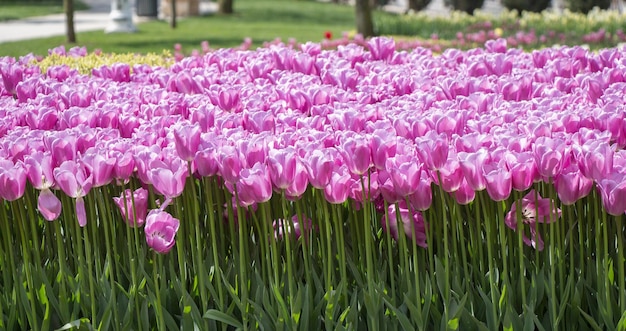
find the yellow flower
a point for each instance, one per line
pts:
(498, 32)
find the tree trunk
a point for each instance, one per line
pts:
(70, 32)
(225, 6)
(363, 13)
(173, 16)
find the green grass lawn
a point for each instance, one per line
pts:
(23, 9)
(261, 20)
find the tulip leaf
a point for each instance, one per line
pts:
(224, 318)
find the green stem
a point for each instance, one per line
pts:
(243, 264)
(288, 232)
(446, 247)
(620, 263)
(25, 245)
(108, 226)
(492, 281)
(325, 227)
(214, 239)
(198, 247)
(132, 258)
(520, 246)
(156, 260)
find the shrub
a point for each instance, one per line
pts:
(585, 6)
(418, 5)
(536, 6)
(467, 6)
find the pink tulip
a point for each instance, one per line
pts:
(549, 155)
(161, 230)
(405, 173)
(282, 167)
(99, 166)
(48, 205)
(422, 199)
(433, 149)
(596, 160)
(133, 206)
(229, 164)
(412, 223)
(571, 185)
(254, 185)
(381, 48)
(168, 178)
(383, 147)
(613, 190)
(451, 176)
(12, 180)
(535, 209)
(523, 170)
(338, 188)
(187, 138)
(357, 154)
(320, 168)
(472, 166)
(281, 227)
(39, 170)
(498, 181)
(124, 165)
(465, 194)
(72, 178)
(300, 182)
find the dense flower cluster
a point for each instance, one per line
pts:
(279, 119)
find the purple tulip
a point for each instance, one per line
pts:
(282, 167)
(405, 173)
(358, 155)
(320, 168)
(49, 205)
(338, 188)
(412, 223)
(72, 178)
(229, 164)
(187, 138)
(39, 170)
(613, 190)
(281, 227)
(433, 149)
(422, 199)
(254, 185)
(472, 166)
(596, 159)
(133, 206)
(465, 194)
(12, 180)
(99, 166)
(168, 178)
(161, 230)
(300, 182)
(571, 185)
(382, 48)
(498, 181)
(523, 170)
(549, 155)
(534, 209)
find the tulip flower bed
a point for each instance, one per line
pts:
(598, 29)
(299, 188)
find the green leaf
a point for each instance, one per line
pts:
(224, 318)
(80, 324)
(590, 320)
(453, 324)
(621, 325)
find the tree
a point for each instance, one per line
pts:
(363, 13)
(225, 6)
(173, 16)
(70, 32)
